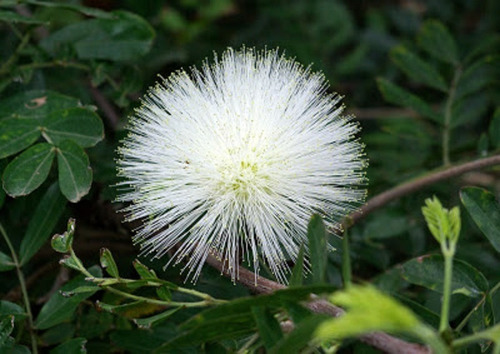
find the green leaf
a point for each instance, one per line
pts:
(236, 316)
(485, 211)
(43, 221)
(73, 346)
(468, 110)
(164, 293)
(148, 322)
(428, 271)
(17, 134)
(75, 174)
(80, 125)
(131, 309)
(70, 261)
(435, 38)
(60, 308)
(6, 328)
(417, 69)
(29, 170)
(124, 37)
(63, 243)
(477, 76)
(494, 129)
(367, 310)
(87, 11)
(443, 223)
(268, 327)
(143, 271)
(35, 104)
(6, 262)
(302, 334)
(399, 96)
(297, 276)
(10, 309)
(318, 248)
(108, 263)
(12, 17)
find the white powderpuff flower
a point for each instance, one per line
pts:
(232, 161)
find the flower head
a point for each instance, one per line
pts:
(233, 160)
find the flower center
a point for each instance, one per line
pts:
(240, 178)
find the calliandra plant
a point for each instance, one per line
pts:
(233, 159)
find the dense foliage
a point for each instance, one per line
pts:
(420, 262)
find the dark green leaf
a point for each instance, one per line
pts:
(468, 110)
(163, 293)
(435, 38)
(494, 130)
(6, 262)
(243, 306)
(35, 104)
(87, 11)
(421, 311)
(298, 270)
(428, 271)
(73, 346)
(477, 76)
(156, 319)
(236, 316)
(63, 243)
(386, 224)
(318, 248)
(6, 327)
(417, 69)
(60, 308)
(485, 211)
(17, 134)
(399, 96)
(138, 341)
(3, 164)
(12, 17)
(75, 174)
(43, 221)
(268, 327)
(80, 125)
(300, 336)
(10, 309)
(108, 263)
(124, 37)
(29, 170)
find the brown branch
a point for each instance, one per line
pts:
(105, 106)
(260, 285)
(413, 185)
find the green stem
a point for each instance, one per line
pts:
(346, 261)
(56, 63)
(430, 337)
(473, 338)
(163, 303)
(207, 299)
(24, 291)
(445, 309)
(471, 312)
(447, 116)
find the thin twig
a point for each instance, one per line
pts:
(379, 340)
(105, 106)
(413, 185)
(20, 276)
